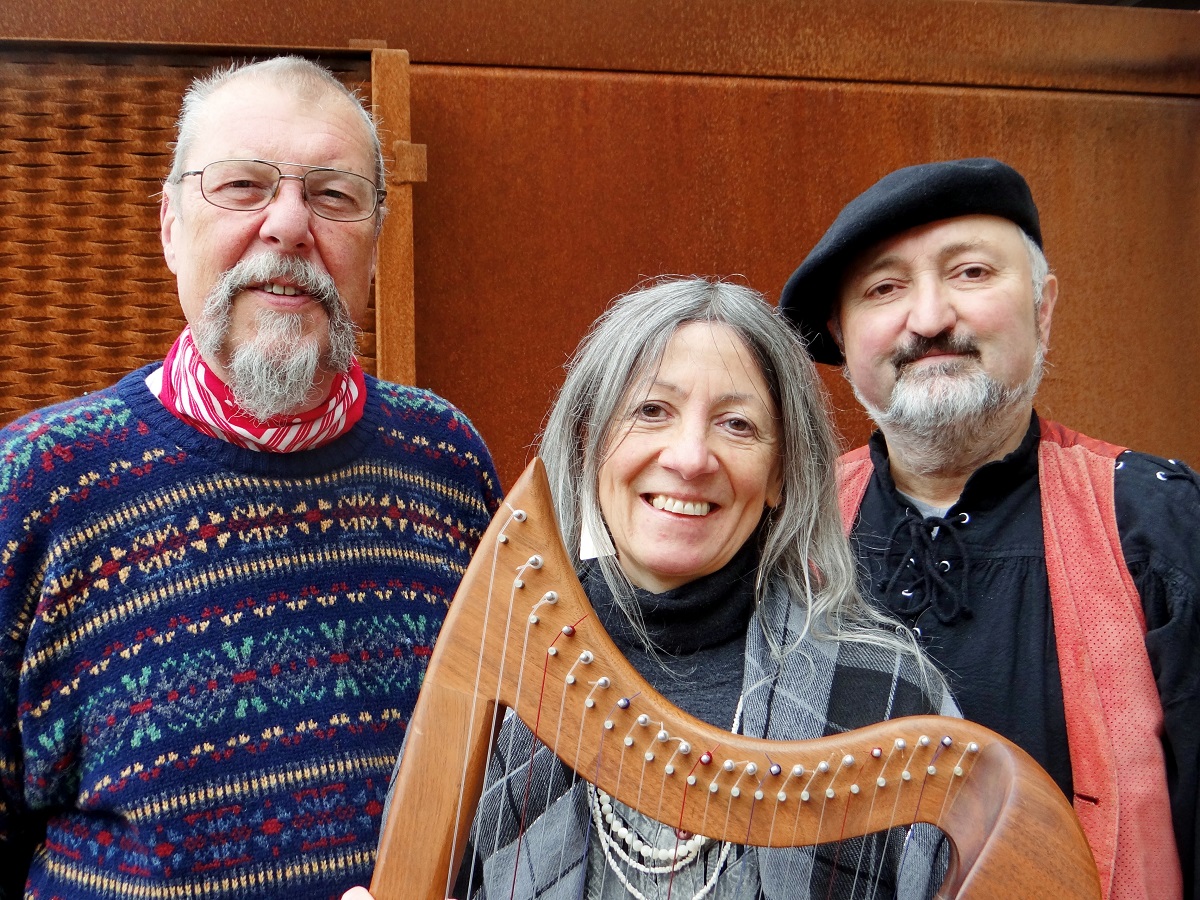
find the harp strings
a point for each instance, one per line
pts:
(822, 782)
(462, 807)
(1013, 833)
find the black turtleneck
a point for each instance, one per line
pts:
(698, 631)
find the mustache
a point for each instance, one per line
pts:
(945, 342)
(264, 267)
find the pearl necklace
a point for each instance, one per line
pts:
(613, 831)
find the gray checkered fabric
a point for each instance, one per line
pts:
(815, 689)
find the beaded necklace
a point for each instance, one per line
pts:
(623, 844)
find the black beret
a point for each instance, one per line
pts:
(904, 199)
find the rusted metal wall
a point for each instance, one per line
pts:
(575, 148)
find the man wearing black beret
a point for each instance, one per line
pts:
(1055, 578)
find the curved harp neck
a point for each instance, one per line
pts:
(522, 635)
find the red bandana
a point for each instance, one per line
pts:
(191, 391)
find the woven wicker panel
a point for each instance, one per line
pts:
(84, 145)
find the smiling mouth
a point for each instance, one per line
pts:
(283, 290)
(680, 507)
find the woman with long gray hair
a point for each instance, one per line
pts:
(691, 460)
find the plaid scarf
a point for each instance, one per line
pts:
(816, 689)
(193, 392)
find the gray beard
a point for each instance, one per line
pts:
(942, 415)
(276, 372)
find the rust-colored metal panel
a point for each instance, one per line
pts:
(575, 147)
(982, 42)
(394, 317)
(85, 293)
(551, 192)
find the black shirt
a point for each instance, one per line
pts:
(973, 585)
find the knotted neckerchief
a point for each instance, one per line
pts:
(193, 392)
(922, 577)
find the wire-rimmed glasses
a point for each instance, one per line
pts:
(250, 184)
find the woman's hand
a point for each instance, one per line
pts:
(357, 893)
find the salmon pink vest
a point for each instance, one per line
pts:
(1114, 716)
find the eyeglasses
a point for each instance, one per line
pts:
(249, 184)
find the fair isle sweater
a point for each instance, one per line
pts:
(209, 655)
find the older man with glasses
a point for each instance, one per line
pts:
(220, 578)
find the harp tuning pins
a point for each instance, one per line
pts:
(503, 539)
(662, 737)
(643, 720)
(535, 562)
(705, 758)
(603, 681)
(628, 741)
(830, 793)
(776, 769)
(735, 791)
(550, 597)
(569, 630)
(947, 741)
(847, 761)
(728, 765)
(519, 515)
(822, 767)
(552, 651)
(586, 658)
(533, 620)
(797, 771)
(901, 743)
(691, 780)
(932, 770)
(751, 769)
(972, 747)
(923, 741)
(876, 752)
(685, 748)
(623, 703)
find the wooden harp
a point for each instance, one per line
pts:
(521, 634)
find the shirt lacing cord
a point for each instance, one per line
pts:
(912, 551)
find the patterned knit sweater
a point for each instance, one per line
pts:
(209, 655)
